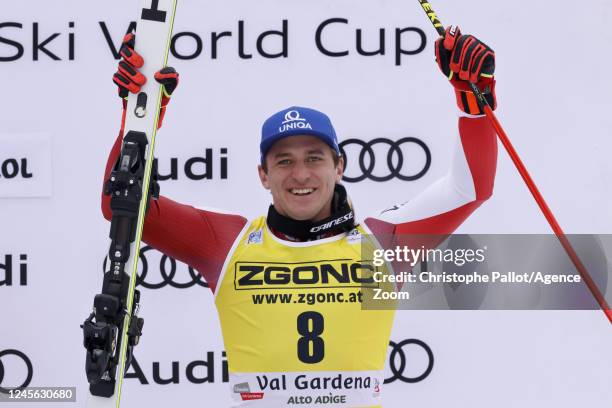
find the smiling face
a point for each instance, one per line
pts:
(301, 175)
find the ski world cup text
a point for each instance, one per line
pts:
(35, 41)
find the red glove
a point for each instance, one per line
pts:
(129, 79)
(464, 59)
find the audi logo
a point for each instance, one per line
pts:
(397, 350)
(395, 159)
(26, 361)
(166, 274)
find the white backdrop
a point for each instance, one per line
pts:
(62, 116)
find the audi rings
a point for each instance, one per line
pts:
(28, 365)
(395, 159)
(167, 278)
(398, 372)
(167, 271)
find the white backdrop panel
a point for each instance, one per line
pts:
(554, 102)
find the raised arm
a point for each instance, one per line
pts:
(196, 237)
(446, 203)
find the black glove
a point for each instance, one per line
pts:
(464, 59)
(129, 79)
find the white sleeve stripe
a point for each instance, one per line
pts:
(452, 191)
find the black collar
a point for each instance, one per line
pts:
(341, 220)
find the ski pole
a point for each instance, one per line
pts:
(503, 137)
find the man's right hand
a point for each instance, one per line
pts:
(129, 79)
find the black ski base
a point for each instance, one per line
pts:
(103, 388)
(102, 329)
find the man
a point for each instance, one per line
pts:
(288, 286)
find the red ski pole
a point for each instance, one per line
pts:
(503, 137)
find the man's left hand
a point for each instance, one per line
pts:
(463, 59)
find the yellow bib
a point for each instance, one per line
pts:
(293, 324)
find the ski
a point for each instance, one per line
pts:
(113, 328)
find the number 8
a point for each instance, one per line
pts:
(310, 337)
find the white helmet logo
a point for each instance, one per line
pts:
(292, 116)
